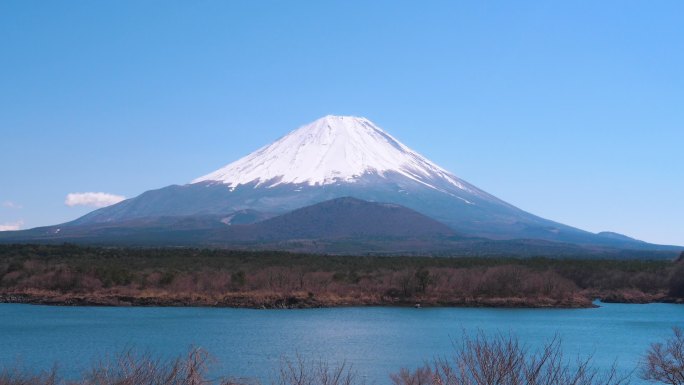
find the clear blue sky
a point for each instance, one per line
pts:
(571, 110)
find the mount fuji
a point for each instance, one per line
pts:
(330, 158)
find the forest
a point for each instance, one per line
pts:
(77, 275)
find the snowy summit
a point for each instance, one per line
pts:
(333, 149)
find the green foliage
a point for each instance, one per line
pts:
(339, 276)
(676, 283)
(14, 266)
(353, 277)
(238, 278)
(423, 280)
(113, 276)
(167, 278)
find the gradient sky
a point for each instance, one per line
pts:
(573, 111)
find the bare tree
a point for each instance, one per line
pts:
(503, 360)
(130, 368)
(302, 372)
(421, 376)
(664, 362)
(21, 377)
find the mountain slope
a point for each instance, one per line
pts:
(342, 218)
(342, 156)
(339, 226)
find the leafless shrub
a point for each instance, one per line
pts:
(17, 376)
(302, 372)
(664, 362)
(503, 360)
(130, 368)
(421, 376)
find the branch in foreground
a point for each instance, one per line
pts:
(664, 362)
(503, 360)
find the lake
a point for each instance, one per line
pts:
(376, 341)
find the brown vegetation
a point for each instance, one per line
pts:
(72, 275)
(128, 368)
(664, 362)
(503, 360)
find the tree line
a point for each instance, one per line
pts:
(96, 275)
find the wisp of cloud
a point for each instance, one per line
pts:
(92, 199)
(11, 226)
(11, 205)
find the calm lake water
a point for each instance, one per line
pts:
(376, 341)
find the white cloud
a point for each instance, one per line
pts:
(11, 205)
(93, 199)
(11, 226)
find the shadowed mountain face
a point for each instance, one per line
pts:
(342, 218)
(338, 226)
(331, 158)
(473, 215)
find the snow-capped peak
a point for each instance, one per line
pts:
(332, 149)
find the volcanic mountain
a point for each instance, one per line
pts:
(343, 156)
(342, 218)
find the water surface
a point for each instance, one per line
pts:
(376, 341)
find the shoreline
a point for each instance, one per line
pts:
(305, 302)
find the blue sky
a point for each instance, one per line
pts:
(571, 110)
